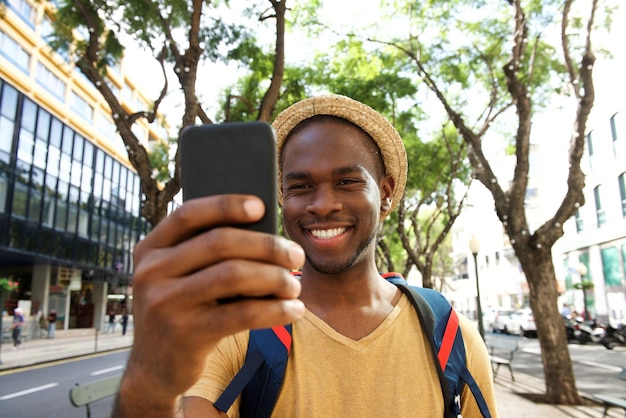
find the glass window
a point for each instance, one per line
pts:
(611, 267)
(622, 192)
(65, 167)
(54, 157)
(43, 124)
(97, 184)
(88, 155)
(108, 164)
(41, 151)
(29, 115)
(34, 206)
(613, 123)
(600, 213)
(12, 51)
(20, 196)
(99, 161)
(4, 163)
(25, 146)
(50, 82)
(24, 10)
(55, 133)
(79, 142)
(8, 110)
(590, 143)
(76, 172)
(579, 222)
(81, 107)
(85, 184)
(68, 140)
(6, 133)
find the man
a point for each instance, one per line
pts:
(52, 323)
(16, 327)
(358, 347)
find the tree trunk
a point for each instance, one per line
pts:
(557, 364)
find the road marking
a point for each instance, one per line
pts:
(109, 370)
(27, 391)
(600, 365)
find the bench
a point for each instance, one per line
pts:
(83, 395)
(612, 401)
(501, 353)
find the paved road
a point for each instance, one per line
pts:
(42, 392)
(596, 369)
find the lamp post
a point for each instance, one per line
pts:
(474, 246)
(582, 271)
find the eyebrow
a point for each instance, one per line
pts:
(301, 175)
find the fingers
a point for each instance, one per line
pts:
(203, 213)
(220, 244)
(234, 278)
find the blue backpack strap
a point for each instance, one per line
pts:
(446, 344)
(260, 379)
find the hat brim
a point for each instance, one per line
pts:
(382, 132)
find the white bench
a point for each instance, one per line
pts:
(501, 353)
(83, 395)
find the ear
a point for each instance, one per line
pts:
(387, 186)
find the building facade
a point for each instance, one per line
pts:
(69, 199)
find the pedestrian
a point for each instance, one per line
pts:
(124, 321)
(43, 324)
(16, 327)
(111, 324)
(566, 311)
(52, 323)
(358, 347)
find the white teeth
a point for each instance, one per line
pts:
(327, 233)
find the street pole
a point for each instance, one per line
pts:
(474, 245)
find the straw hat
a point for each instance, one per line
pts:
(363, 116)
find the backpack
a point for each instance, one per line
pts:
(260, 378)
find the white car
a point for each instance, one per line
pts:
(500, 319)
(521, 322)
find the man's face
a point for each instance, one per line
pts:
(333, 189)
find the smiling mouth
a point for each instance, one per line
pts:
(327, 233)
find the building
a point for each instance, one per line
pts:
(69, 199)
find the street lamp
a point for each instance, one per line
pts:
(474, 246)
(584, 285)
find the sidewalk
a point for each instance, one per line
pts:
(66, 344)
(73, 343)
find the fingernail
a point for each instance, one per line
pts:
(253, 208)
(295, 306)
(296, 255)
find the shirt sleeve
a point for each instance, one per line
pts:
(479, 365)
(221, 366)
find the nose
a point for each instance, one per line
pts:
(324, 201)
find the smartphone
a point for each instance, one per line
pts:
(231, 158)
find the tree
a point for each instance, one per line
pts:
(471, 69)
(182, 35)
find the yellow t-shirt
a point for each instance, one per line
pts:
(389, 373)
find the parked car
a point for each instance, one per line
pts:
(489, 315)
(521, 322)
(500, 319)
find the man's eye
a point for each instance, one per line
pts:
(346, 182)
(299, 186)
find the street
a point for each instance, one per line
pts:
(596, 369)
(42, 392)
